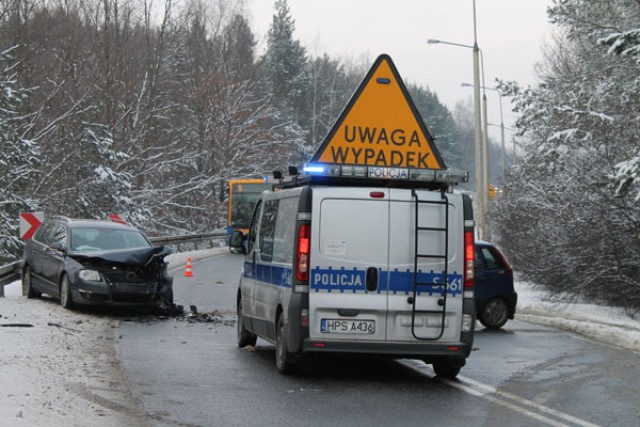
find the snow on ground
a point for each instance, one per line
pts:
(62, 371)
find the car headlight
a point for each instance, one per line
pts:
(90, 275)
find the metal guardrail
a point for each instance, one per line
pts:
(189, 238)
(11, 272)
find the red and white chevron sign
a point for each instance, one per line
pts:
(29, 223)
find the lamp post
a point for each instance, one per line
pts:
(502, 166)
(481, 190)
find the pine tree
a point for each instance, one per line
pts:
(285, 64)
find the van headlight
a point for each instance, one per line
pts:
(89, 276)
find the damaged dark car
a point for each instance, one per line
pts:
(91, 262)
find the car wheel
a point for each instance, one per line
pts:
(27, 286)
(445, 370)
(494, 314)
(66, 298)
(245, 337)
(284, 360)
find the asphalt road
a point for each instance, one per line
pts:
(190, 372)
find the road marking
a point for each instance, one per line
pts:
(508, 400)
(539, 407)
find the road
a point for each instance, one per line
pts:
(191, 373)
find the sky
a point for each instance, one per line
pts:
(510, 35)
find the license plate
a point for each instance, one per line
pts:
(347, 326)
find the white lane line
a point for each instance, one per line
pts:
(522, 401)
(501, 402)
(517, 404)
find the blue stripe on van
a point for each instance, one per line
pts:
(353, 281)
(272, 274)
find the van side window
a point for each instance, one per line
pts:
(285, 231)
(268, 229)
(253, 230)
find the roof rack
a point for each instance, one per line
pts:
(334, 174)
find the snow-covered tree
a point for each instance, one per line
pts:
(441, 125)
(568, 219)
(285, 67)
(18, 157)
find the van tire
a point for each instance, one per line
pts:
(245, 337)
(284, 359)
(445, 370)
(494, 314)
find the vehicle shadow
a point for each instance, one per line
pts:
(348, 369)
(493, 332)
(148, 313)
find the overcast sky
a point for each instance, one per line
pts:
(510, 34)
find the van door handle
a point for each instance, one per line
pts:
(372, 279)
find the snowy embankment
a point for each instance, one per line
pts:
(608, 325)
(59, 367)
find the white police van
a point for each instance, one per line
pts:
(369, 251)
(358, 265)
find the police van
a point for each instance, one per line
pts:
(370, 258)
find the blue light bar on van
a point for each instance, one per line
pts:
(390, 173)
(313, 170)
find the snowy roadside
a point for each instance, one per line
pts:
(602, 324)
(62, 370)
(59, 368)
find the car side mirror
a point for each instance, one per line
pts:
(58, 247)
(236, 242)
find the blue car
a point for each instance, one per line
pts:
(495, 296)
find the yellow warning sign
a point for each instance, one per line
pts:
(380, 126)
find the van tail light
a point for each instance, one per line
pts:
(469, 258)
(304, 244)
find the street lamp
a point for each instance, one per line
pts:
(500, 95)
(481, 189)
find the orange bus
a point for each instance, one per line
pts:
(243, 194)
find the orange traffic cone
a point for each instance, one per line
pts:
(188, 272)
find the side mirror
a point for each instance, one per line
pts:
(236, 242)
(58, 247)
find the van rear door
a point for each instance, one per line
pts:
(363, 262)
(349, 259)
(436, 314)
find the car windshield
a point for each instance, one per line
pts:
(88, 239)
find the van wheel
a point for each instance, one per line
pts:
(66, 298)
(245, 337)
(284, 360)
(494, 314)
(27, 286)
(445, 370)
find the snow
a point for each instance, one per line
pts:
(62, 371)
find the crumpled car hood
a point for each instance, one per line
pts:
(135, 257)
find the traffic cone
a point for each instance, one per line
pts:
(187, 271)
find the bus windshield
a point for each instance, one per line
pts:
(243, 195)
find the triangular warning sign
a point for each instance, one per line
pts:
(380, 126)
